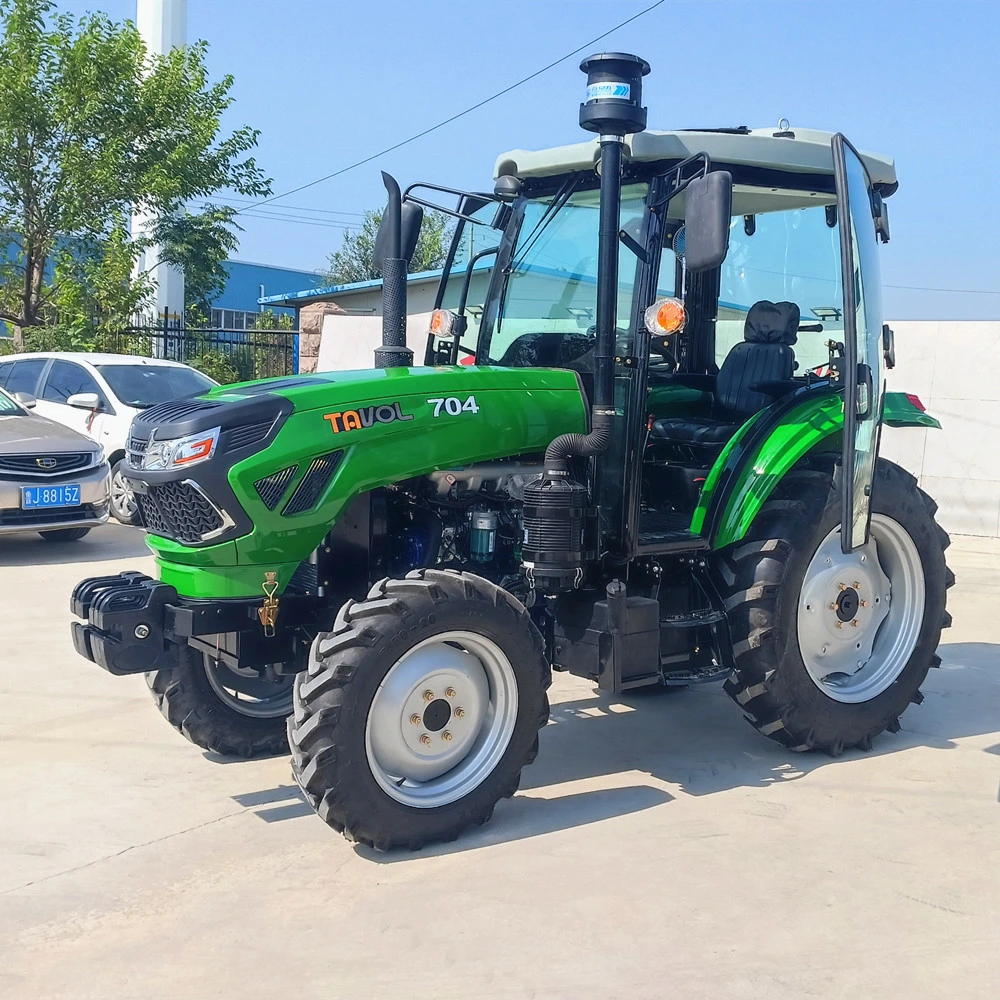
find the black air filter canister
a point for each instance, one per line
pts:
(554, 516)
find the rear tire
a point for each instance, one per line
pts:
(208, 716)
(64, 534)
(784, 599)
(385, 690)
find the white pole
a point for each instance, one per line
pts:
(163, 26)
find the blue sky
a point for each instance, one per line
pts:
(330, 81)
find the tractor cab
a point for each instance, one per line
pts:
(707, 356)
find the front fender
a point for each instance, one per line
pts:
(763, 451)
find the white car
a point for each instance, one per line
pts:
(99, 394)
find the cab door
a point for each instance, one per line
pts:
(862, 362)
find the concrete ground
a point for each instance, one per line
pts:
(658, 848)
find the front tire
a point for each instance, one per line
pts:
(830, 649)
(419, 709)
(202, 700)
(64, 534)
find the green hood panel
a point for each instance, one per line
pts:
(387, 426)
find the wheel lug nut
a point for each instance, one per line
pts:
(426, 740)
(450, 693)
(841, 586)
(840, 624)
(856, 585)
(854, 624)
(864, 604)
(428, 695)
(833, 607)
(459, 713)
(446, 736)
(415, 719)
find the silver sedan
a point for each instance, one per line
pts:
(53, 480)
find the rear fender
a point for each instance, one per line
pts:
(904, 409)
(763, 451)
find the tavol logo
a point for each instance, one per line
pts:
(365, 416)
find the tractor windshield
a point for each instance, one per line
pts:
(548, 312)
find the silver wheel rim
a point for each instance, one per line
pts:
(859, 615)
(246, 692)
(122, 498)
(441, 719)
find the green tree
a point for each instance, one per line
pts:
(355, 260)
(92, 127)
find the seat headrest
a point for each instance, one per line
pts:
(772, 323)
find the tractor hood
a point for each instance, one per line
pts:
(287, 454)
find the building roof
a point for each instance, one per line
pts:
(807, 152)
(298, 299)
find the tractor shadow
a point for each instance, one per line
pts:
(693, 741)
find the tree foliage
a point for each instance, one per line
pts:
(92, 128)
(355, 260)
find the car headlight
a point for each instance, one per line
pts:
(180, 452)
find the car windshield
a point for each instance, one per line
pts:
(8, 407)
(142, 386)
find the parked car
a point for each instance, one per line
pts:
(99, 394)
(53, 480)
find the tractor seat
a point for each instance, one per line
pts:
(764, 356)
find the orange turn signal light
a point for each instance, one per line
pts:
(443, 323)
(665, 316)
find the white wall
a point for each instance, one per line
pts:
(349, 342)
(951, 366)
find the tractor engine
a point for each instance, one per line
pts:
(467, 518)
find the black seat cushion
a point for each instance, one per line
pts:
(692, 430)
(764, 356)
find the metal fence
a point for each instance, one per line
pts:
(224, 354)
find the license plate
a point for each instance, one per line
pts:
(33, 497)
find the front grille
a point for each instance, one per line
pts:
(136, 451)
(314, 482)
(176, 510)
(272, 488)
(46, 465)
(50, 515)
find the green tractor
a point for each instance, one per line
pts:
(661, 468)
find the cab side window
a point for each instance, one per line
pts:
(65, 379)
(784, 256)
(23, 376)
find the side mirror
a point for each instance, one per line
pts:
(709, 202)
(84, 401)
(26, 399)
(411, 218)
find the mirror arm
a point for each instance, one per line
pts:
(637, 248)
(454, 213)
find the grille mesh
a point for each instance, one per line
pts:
(51, 515)
(136, 451)
(272, 488)
(177, 511)
(314, 482)
(29, 463)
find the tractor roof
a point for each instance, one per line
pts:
(808, 152)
